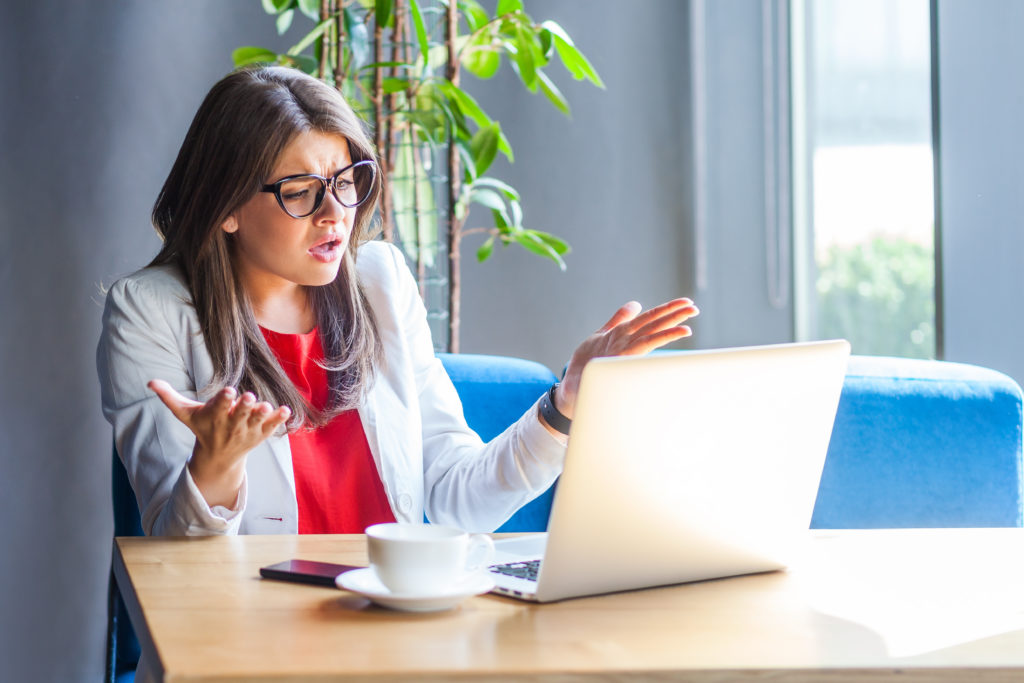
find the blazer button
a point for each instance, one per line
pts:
(405, 503)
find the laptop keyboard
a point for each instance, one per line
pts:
(522, 570)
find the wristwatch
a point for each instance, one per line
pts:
(560, 423)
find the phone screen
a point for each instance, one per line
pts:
(306, 571)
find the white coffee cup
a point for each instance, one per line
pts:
(425, 559)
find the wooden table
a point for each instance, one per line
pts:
(907, 605)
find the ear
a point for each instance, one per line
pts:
(230, 224)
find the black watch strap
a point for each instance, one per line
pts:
(558, 422)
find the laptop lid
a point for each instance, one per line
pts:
(691, 465)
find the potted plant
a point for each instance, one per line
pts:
(400, 63)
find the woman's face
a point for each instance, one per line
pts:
(275, 252)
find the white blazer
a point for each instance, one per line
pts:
(428, 458)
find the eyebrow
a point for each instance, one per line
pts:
(299, 173)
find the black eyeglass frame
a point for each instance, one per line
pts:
(331, 182)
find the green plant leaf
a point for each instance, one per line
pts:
(284, 21)
(501, 223)
(484, 147)
(572, 58)
(530, 36)
(358, 38)
(390, 85)
(421, 30)
(524, 60)
(556, 243)
(476, 15)
(308, 39)
(508, 7)
(485, 250)
(488, 198)
(481, 60)
(517, 214)
(304, 63)
(275, 6)
(502, 187)
(468, 164)
(471, 108)
(552, 92)
(529, 240)
(467, 105)
(430, 124)
(547, 42)
(310, 8)
(431, 98)
(383, 12)
(253, 55)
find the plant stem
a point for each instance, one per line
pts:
(410, 137)
(339, 53)
(397, 36)
(325, 11)
(380, 131)
(454, 227)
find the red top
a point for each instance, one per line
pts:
(337, 485)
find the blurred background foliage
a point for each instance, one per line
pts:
(882, 285)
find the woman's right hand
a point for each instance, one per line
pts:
(227, 427)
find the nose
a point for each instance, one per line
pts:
(331, 210)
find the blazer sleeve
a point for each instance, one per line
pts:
(148, 332)
(469, 484)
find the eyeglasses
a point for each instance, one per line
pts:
(302, 195)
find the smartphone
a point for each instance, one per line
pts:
(306, 571)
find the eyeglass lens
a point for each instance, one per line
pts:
(303, 196)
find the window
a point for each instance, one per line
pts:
(863, 179)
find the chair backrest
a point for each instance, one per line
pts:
(923, 444)
(122, 646)
(495, 392)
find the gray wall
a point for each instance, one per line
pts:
(618, 182)
(613, 181)
(96, 98)
(982, 167)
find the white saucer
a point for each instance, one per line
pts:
(365, 582)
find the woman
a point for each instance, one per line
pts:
(268, 281)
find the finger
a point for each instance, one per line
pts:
(666, 309)
(276, 419)
(242, 409)
(666, 321)
(180, 406)
(260, 412)
(219, 407)
(644, 345)
(627, 311)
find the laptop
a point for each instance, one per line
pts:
(683, 466)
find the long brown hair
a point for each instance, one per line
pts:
(236, 137)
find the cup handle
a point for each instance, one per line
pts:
(480, 553)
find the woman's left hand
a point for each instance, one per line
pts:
(628, 333)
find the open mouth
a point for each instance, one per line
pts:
(327, 249)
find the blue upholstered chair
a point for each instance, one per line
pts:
(122, 645)
(923, 444)
(495, 391)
